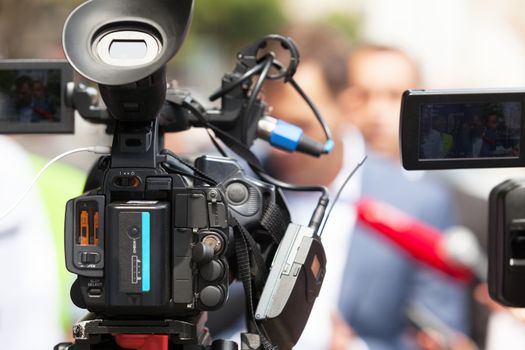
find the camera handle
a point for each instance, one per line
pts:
(84, 100)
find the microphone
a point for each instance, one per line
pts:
(454, 252)
(423, 319)
(461, 246)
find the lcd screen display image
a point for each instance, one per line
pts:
(30, 96)
(470, 130)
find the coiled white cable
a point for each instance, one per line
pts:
(92, 149)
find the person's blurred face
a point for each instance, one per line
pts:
(492, 121)
(287, 105)
(440, 124)
(373, 100)
(24, 94)
(38, 89)
(476, 124)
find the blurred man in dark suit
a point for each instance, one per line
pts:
(380, 280)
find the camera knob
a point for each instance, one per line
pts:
(211, 296)
(213, 241)
(212, 271)
(202, 253)
(237, 193)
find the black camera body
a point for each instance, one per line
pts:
(156, 240)
(186, 227)
(148, 211)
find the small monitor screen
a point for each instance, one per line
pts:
(470, 130)
(30, 96)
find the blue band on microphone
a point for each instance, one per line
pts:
(329, 146)
(286, 136)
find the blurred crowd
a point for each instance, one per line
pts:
(375, 295)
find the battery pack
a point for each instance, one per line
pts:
(138, 228)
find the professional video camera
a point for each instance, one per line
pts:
(451, 129)
(155, 241)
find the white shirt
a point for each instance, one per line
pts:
(29, 307)
(505, 332)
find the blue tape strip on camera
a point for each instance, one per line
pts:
(146, 252)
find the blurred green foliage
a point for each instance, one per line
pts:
(230, 23)
(236, 22)
(347, 24)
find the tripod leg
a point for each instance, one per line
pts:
(224, 345)
(250, 341)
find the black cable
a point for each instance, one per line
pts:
(170, 169)
(252, 159)
(341, 191)
(288, 186)
(221, 92)
(309, 102)
(257, 168)
(314, 109)
(216, 144)
(268, 62)
(188, 165)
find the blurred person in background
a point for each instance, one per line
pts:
(29, 305)
(361, 304)
(489, 136)
(23, 103)
(441, 125)
(380, 280)
(43, 105)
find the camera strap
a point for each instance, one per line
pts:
(242, 240)
(275, 220)
(257, 265)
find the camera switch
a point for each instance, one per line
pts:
(158, 184)
(89, 258)
(95, 292)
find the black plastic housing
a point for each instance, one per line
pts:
(64, 122)
(507, 243)
(183, 281)
(410, 124)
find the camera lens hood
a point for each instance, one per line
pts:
(161, 22)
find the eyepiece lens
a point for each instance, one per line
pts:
(125, 48)
(128, 49)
